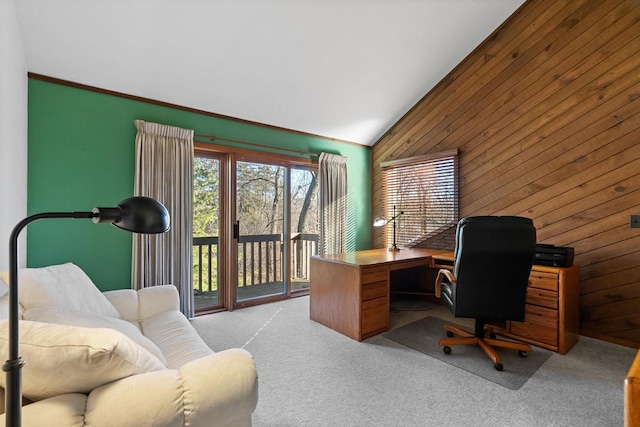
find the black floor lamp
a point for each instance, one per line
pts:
(380, 221)
(135, 214)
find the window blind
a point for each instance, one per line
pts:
(425, 189)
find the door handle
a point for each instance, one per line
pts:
(236, 230)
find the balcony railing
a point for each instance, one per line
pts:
(205, 274)
(259, 260)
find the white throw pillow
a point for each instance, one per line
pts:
(64, 286)
(66, 359)
(69, 318)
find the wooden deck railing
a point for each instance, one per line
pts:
(205, 274)
(303, 246)
(259, 259)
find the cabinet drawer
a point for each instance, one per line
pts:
(375, 274)
(535, 310)
(540, 324)
(374, 315)
(374, 290)
(536, 331)
(542, 298)
(544, 280)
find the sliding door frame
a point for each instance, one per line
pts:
(228, 271)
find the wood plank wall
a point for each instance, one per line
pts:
(546, 115)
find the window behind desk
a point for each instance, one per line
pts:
(425, 189)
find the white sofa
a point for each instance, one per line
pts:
(120, 358)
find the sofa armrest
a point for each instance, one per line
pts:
(134, 306)
(632, 395)
(233, 376)
(218, 390)
(59, 411)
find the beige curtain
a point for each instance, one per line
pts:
(164, 171)
(332, 171)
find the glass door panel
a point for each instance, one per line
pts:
(206, 232)
(304, 226)
(260, 215)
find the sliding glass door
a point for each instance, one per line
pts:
(304, 225)
(206, 233)
(255, 229)
(259, 230)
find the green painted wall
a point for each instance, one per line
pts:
(81, 155)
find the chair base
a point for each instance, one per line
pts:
(483, 340)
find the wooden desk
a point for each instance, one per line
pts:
(349, 292)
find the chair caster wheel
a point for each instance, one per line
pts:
(498, 366)
(522, 353)
(492, 336)
(449, 334)
(446, 349)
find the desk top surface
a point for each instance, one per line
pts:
(378, 256)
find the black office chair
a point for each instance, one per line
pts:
(492, 263)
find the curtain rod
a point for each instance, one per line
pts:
(213, 138)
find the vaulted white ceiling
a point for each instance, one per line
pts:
(344, 69)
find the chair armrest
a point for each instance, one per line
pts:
(443, 274)
(218, 390)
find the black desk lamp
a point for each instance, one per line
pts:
(135, 214)
(380, 221)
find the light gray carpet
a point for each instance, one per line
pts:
(312, 376)
(423, 335)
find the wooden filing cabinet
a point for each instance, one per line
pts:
(552, 318)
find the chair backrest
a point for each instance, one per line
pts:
(493, 259)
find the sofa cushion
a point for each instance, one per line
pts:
(60, 317)
(176, 338)
(67, 359)
(126, 302)
(64, 286)
(134, 306)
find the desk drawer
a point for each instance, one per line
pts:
(374, 315)
(375, 274)
(374, 290)
(411, 264)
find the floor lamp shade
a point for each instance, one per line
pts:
(135, 214)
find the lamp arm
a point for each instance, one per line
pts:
(13, 403)
(136, 214)
(393, 218)
(13, 267)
